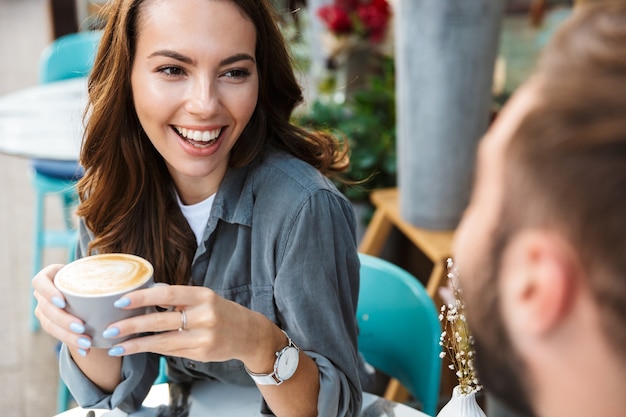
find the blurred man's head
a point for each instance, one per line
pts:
(541, 249)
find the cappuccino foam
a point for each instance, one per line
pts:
(103, 274)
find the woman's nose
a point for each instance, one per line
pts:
(203, 99)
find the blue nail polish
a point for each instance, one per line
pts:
(82, 352)
(77, 327)
(84, 342)
(111, 332)
(58, 302)
(116, 351)
(122, 302)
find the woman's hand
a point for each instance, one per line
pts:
(214, 329)
(52, 316)
(95, 363)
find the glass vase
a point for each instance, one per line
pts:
(461, 405)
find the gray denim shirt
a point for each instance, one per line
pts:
(280, 240)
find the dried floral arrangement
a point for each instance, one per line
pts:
(456, 338)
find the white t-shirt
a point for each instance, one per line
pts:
(197, 215)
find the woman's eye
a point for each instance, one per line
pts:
(171, 71)
(237, 73)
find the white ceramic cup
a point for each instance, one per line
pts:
(92, 284)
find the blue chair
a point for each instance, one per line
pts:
(399, 329)
(162, 377)
(69, 56)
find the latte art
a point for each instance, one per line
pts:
(103, 274)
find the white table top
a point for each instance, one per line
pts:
(216, 399)
(44, 121)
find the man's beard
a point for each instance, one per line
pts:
(499, 367)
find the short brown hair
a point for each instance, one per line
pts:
(566, 164)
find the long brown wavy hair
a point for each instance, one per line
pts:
(127, 195)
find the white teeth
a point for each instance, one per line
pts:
(198, 135)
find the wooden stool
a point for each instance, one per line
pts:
(436, 245)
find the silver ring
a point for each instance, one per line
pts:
(183, 321)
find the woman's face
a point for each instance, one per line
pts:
(195, 86)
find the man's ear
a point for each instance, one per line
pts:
(540, 274)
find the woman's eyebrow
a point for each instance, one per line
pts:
(185, 59)
(236, 58)
(172, 54)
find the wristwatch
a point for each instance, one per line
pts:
(285, 365)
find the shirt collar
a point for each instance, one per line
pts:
(234, 199)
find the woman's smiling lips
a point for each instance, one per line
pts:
(198, 138)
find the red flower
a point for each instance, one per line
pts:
(375, 16)
(368, 18)
(336, 18)
(348, 4)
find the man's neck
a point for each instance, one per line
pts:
(582, 382)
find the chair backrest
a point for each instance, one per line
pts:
(399, 329)
(69, 56)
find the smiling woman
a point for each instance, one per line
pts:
(194, 101)
(192, 163)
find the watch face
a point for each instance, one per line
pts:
(287, 363)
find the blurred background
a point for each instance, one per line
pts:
(28, 362)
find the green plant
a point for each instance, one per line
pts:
(367, 120)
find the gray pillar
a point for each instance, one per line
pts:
(445, 54)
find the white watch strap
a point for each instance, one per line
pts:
(264, 379)
(272, 379)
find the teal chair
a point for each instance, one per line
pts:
(162, 378)
(399, 329)
(69, 56)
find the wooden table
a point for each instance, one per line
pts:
(435, 245)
